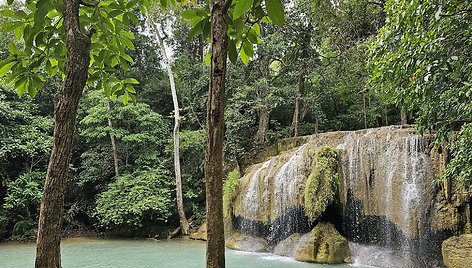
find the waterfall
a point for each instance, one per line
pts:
(287, 180)
(385, 191)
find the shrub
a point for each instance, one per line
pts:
(229, 190)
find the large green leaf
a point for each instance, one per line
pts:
(275, 10)
(241, 7)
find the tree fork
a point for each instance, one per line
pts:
(48, 253)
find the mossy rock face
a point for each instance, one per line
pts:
(324, 244)
(239, 241)
(457, 251)
(201, 234)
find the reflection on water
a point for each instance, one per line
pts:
(94, 253)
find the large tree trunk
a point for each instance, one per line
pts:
(113, 145)
(261, 135)
(178, 177)
(215, 250)
(48, 253)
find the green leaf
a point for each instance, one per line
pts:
(106, 88)
(130, 88)
(131, 81)
(241, 7)
(10, 2)
(9, 13)
(125, 98)
(10, 26)
(252, 37)
(275, 11)
(127, 43)
(232, 52)
(32, 89)
(22, 87)
(128, 34)
(196, 30)
(163, 3)
(259, 12)
(208, 58)
(6, 68)
(127, 58)
(133, 98)
(19, 32)
(189, 14)
(244, 57)
(239, 25)
(13, 49)
(248, 49)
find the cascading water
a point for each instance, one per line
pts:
(386, 190)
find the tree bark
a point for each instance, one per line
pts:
(261, 135)
(404, 117)
(113, 145)
(264, 116)
(178, 178)
(215, 250)
(296, 113)
(48, 253)
(365, 110)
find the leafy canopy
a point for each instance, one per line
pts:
(243, 18)
(40, 50)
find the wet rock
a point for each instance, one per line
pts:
(239, 241)
(457, 251)
(201, 233)
(288, 247)
(323, 244)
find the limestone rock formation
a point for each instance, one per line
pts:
(323, 244)
(239, 241)
(457, 251)
(288, 247)
(201, 233)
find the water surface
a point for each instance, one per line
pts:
(94, 253)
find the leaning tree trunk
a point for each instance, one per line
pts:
(113, 145)
(215, 250)
(178, 177)
(48, 253)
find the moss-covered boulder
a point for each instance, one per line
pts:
(323, 244)
(457, 251)
(239, 241)
(322, 184)
(201, 233)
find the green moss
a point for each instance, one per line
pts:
(229, 190)
(322, 184)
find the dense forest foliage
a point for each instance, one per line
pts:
(335, 65)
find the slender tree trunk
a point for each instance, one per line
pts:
(215, 250)
(113, 145)
(178, 177)
(296, 112)
(404, 116)
(365, 110)
(261, 135)
(48, 254)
